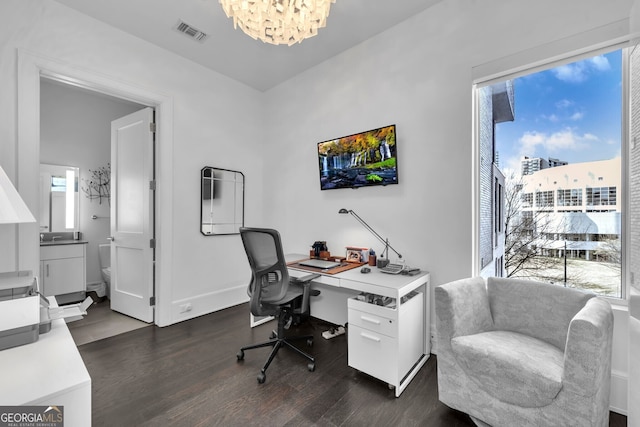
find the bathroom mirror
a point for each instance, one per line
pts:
(222, 201)
(59, 199)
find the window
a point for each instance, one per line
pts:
(498, 205)
(558, 134)
(544, 198)
(571, 197)
(601, 196)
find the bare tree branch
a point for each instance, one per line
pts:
(523, 231)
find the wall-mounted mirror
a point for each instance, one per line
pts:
(59, 199)
(222, 201)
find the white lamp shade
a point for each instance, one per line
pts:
(13, 210)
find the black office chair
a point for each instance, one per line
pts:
(274, 293)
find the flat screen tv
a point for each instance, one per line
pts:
(363, 159)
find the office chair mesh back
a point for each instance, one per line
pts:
(270, 278)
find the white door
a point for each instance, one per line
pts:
(132, 196)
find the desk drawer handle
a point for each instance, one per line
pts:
(369, 337)
(370, 320)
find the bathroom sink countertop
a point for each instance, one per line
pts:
(63, 242)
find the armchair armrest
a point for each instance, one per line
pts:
(462, 308)
(587, 356)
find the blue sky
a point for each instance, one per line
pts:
(572, 113)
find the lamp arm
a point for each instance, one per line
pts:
(372, 231)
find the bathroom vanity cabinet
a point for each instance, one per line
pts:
(63, 269)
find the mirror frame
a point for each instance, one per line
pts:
(46, 196)
(238, 198)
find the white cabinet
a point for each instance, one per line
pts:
(63, 269)
(386, 342)
(48, 372)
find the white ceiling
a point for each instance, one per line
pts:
(233, 53)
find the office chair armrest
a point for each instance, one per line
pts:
(305, 282)
(304, 279)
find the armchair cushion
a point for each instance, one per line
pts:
(512, 367)
(534, 308)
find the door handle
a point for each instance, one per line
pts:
(111, 238)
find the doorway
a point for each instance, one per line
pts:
(31, 67)
(75, 130)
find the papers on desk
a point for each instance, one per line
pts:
(69, 312)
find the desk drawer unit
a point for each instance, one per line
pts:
(386, 342)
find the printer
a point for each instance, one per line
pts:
(19, 309)
(25, 313)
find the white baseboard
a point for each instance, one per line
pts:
(199, 305)
(618, 396)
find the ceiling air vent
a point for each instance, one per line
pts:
(190, 31)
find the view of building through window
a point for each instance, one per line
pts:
(560, 158)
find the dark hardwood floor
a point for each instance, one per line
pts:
(187, 375)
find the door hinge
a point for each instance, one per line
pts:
(152, 301)
(152, 243)
(152, 127)
(152, 185)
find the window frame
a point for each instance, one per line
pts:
(496, 71)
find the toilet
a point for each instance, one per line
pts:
(104, 256)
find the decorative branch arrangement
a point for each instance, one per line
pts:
(99, 186)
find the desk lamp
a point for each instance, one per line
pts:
(387, 246)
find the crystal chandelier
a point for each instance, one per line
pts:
(278, 21)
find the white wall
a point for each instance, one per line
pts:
(208, 126)
(419, 76)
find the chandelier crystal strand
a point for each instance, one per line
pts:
(278, 21)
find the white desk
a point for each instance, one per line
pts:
(389, 343)
(48, 372)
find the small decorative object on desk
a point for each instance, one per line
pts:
(356, 254)
(382, 262)
(318, 248)
(372, 258)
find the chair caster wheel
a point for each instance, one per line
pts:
(310, 342)
(261, 378)
(273, 335)
(240, 355)
(311, 367)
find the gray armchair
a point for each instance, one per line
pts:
(522, 353)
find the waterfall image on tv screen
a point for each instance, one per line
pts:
(359, 160)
